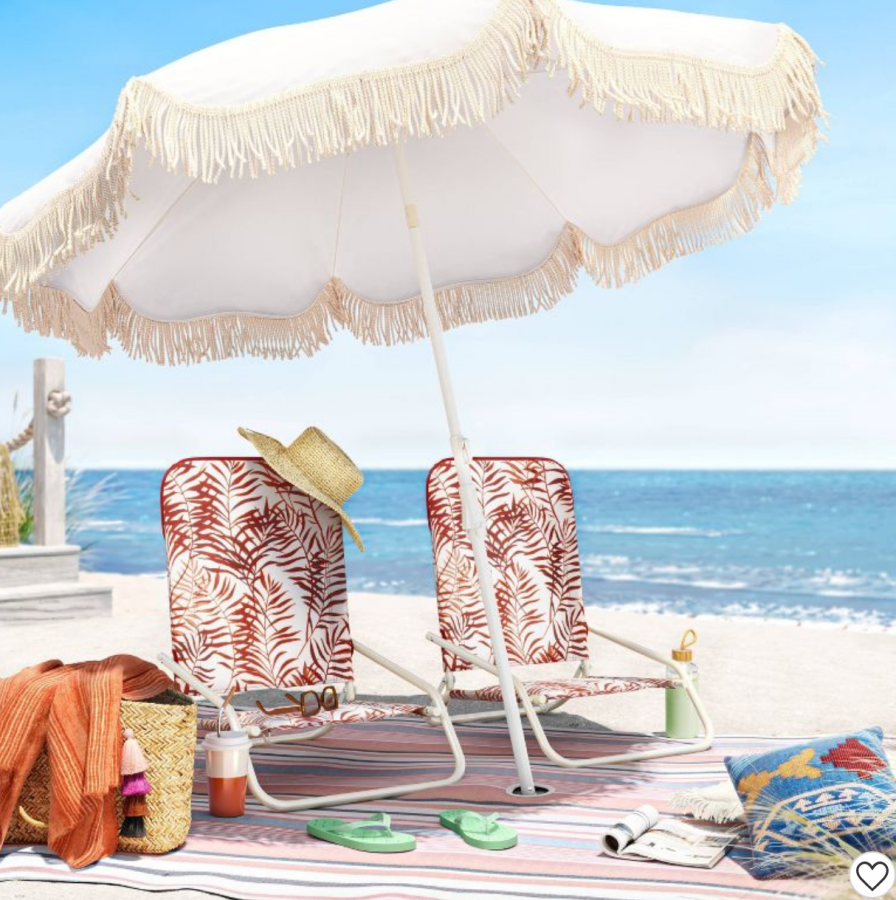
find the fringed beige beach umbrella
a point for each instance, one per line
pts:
(253, 198)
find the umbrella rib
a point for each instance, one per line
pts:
(345, 159)
(153, 230)
(487, 127)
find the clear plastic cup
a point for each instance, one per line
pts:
(227, 767)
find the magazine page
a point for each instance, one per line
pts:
(644, 835)
(679, 844)
(627, 831)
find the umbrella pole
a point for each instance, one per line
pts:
(473, 515)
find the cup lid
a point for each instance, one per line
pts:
(227, 737)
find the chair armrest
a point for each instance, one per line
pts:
(475, 660)
(461, 653)
(400, 671)
(641, 650)
(188, 678)
(677, 667)
(206, 693)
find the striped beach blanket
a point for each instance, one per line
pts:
(269, 855)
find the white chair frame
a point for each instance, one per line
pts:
(532, 710)
(348, 695)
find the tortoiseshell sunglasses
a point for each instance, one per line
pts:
(308, 703)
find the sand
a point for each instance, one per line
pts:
(757, 677)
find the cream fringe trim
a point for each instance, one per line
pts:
(466, 88)
(780, 97)
(339, 116)
(687, 231)
(715, 803)
(342, 115)
(75, 220)
(52, 312)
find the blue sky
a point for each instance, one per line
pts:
(777, 350)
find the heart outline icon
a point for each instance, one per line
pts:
(872, 869)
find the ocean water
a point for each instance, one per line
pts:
(809, 546)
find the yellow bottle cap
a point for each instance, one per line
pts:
(684, 653)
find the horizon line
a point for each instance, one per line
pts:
(573, 468)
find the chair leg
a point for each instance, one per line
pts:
(281, 805)
(532, 712)
(298, 738)
(612, 759)
(397, 790)
(491, 715)
(377, 793)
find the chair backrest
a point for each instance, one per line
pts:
(534, 555)
(256, 578)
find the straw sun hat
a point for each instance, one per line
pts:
(315, 465)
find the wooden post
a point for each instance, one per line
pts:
(49, 454)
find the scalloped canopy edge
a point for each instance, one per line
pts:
(468, 87)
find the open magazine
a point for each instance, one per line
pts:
(644, 835)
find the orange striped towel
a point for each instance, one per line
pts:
(75, 710)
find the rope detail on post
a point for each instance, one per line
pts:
(59, 404)
(21, 439)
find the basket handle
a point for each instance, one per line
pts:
(34, 823)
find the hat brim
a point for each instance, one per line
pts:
(275, 455)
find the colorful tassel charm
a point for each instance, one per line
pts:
(132, 759)
(134, 811)
(134, 787)
(135, 806)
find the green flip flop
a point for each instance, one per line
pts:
(484, 832)
(372, 835)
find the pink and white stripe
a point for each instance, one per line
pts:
(268, 855)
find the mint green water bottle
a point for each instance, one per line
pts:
(682, 720)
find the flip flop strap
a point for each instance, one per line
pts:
(380, 821)
(487, 824)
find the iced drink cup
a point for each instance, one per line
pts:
(227, 766)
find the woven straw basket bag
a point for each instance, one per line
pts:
(166, 729)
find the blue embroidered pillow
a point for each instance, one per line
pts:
(814, 796)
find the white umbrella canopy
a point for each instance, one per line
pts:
(693, 125)
(540, 136)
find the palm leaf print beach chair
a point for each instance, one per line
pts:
(533, 551)
(258, 600)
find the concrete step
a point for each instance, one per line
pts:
(28, 564)
(63, 600)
